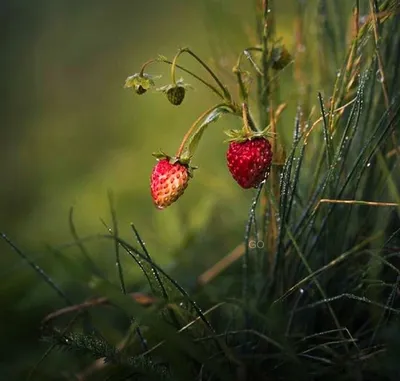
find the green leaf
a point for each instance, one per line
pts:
(194, 140)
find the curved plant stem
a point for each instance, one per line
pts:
(204, 82)
(211, 87)
(246, 53)
(247, 125)
(194, 125)
(173, 67)
(145, 65)
(242, 89)
(225, 91)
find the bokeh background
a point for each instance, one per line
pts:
(70, 133)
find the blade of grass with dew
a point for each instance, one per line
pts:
(288, 187)
(246, 256)
(148, 271)
(145, 251)
(317, 283)
(178, 287)
(81, 246)
(118, 264)
(339, 158)
(363, 165)
(333, 263)
(285, 184)
(177, 343)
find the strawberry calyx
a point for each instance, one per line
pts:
(140, 82)
(243, 135)
(183, 160)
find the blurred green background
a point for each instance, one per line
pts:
(70, 133)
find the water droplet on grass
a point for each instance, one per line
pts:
(379, 77)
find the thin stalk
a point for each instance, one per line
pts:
(145, 251)
(246, 257)
(227, 95)
(182, 291)
(265, 66)
(164, 60)
(117, 253)
(244, 96)
(37, 269)
(246, 53)
(385, 90)
(173, 67)
(138, 331)
(247, 123)
(194, 125)
(267, 117)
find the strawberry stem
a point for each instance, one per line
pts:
(242, 89)
(146, 64)
(265, 90)
(248, 125)
(227, 95)
(194, 125)
(173, 67)
(211, 87)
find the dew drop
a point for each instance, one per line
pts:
(369, 164)
(362, 20)
(379, 77)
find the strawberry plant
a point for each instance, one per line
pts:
(311, 292)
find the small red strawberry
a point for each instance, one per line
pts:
(249, 161)
(169, 179)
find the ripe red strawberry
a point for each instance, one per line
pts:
(249, 161)
(168, 182)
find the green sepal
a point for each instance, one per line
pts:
(191, 170)
(161, 155)
(141, 82)
(179, 83)
(241, 135)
